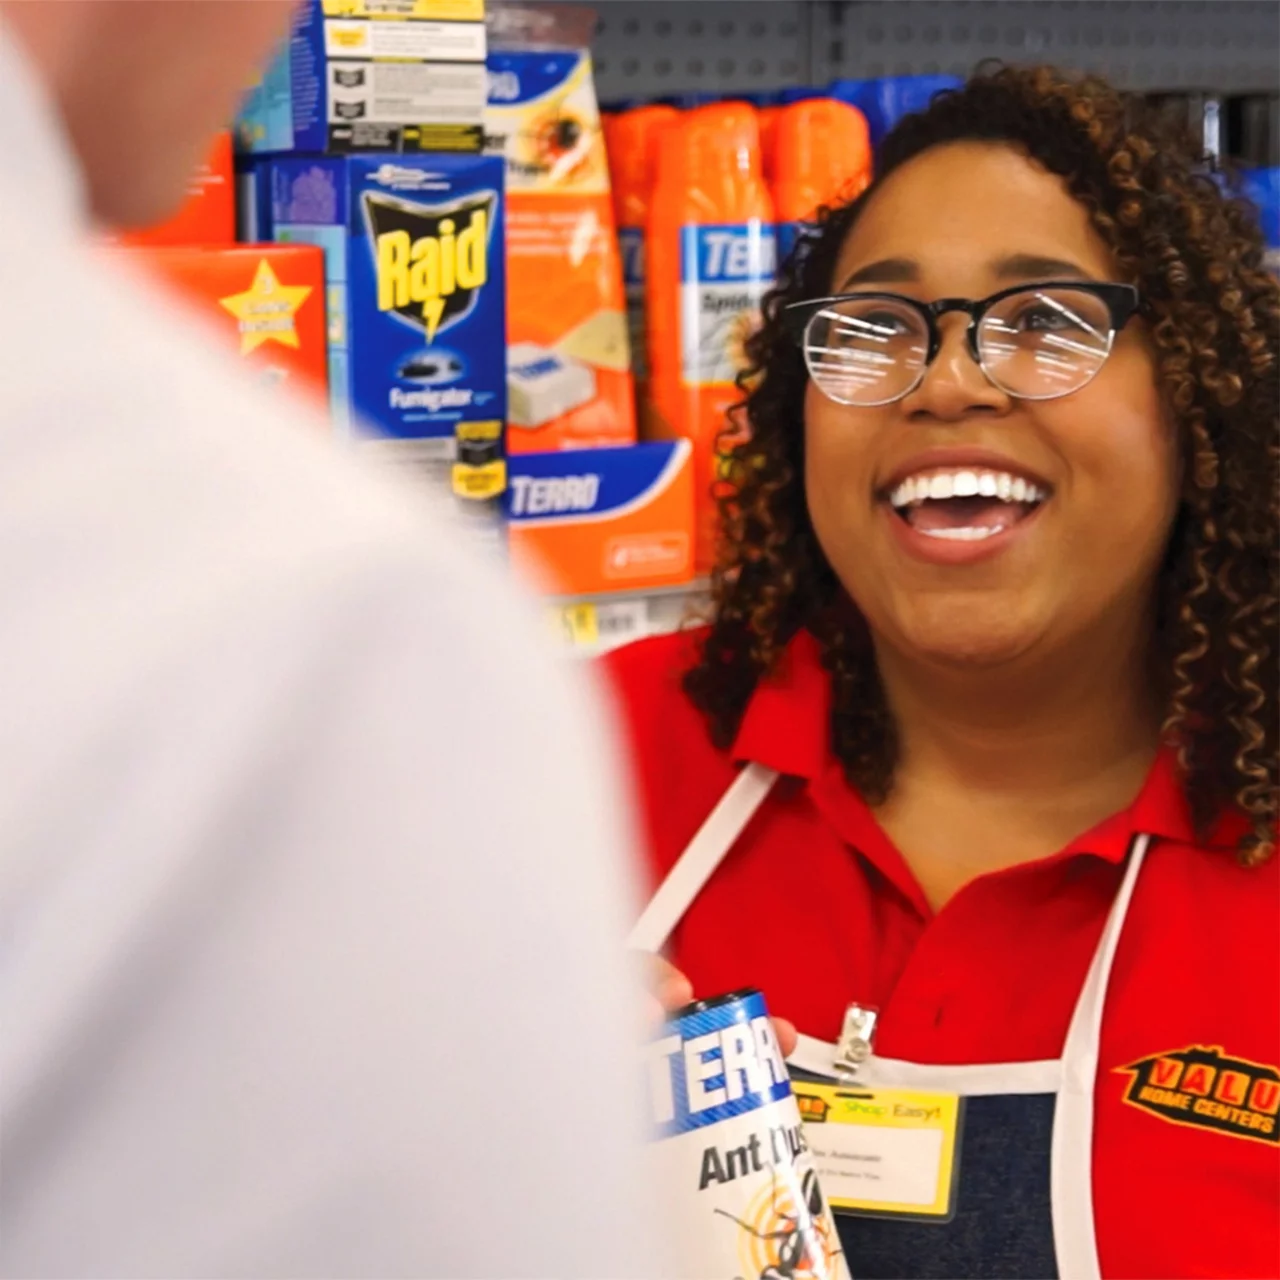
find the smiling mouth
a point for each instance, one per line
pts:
(965, 505)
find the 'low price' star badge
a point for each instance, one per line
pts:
(266, 310)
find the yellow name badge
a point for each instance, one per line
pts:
(883, 1152)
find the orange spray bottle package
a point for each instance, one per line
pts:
(768, 119)
(821, 156)
(711, 258)
(632, 139)
(568, 358)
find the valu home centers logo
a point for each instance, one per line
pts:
(1204, 1088)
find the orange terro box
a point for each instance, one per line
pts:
(208, 215)
(591, 521)
(569, 383)
(269, 299)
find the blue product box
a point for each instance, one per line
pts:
(799, 93)
(885, 101)
(693, 100)
(373, 75)
(1262, 186)
(415, 273)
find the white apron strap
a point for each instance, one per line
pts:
(703, 855)
(1074, 1077)
(1071, 1175)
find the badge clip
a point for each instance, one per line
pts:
(854, 1046)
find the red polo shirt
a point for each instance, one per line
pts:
(815, 906)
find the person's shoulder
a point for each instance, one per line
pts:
(646, 679)
(1236, 905)
(677, 770)
(178, 501)
(656, 667)
(155, 444)
(1214, 866)
(1198, 952)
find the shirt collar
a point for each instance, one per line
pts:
(1160, 809)
(39, 167)
(787, 727)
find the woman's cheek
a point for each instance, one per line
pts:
(1125, 441)
(838, 477)
(822, 458)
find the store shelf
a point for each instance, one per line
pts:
(652, 48)
(593, 625)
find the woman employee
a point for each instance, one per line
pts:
(986, 712)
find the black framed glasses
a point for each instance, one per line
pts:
(1033, 341)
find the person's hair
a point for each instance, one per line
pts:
(1196, 254)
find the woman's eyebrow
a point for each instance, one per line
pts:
(1030, 266)
(1013, 267)
(884, 271)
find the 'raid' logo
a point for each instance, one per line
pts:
(431, 260)
(1203, 1088)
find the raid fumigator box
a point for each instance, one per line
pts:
(416, 286)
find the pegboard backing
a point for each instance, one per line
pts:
(1228, 46)
(650, 48)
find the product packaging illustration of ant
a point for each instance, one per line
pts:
(733, 1164)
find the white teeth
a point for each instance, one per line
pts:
(965, 484)
(968, 534)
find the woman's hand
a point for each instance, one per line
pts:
(669, 990)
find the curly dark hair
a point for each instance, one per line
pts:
(1196, 254)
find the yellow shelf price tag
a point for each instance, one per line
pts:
(579, 624)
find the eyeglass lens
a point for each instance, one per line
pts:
(1035, 344)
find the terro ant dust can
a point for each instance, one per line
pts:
(734, 1171)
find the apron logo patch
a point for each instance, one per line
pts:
(1204, 1088)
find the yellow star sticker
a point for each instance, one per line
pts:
(266, 310)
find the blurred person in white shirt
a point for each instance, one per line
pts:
(311, 960)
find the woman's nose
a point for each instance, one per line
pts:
(954, 386)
